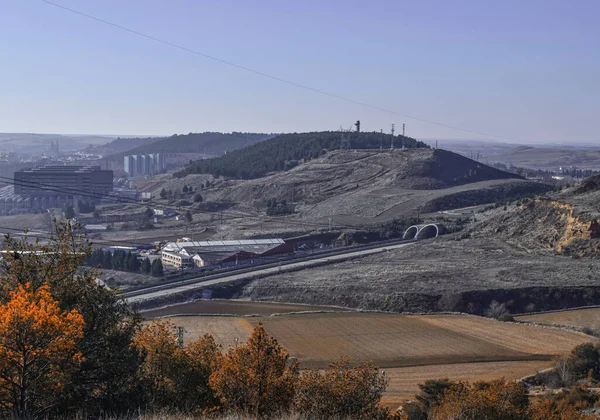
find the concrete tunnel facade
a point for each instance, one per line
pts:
(424, 231)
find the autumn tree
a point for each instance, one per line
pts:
(162, 362)
(342, 391)
(257, 378)
(495, 400)
(176, 377)
(38, 349)
(196, 392)
(431, 392)
(105, 377)
(565, 405)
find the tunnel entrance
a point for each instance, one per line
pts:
(411, 233)
(429, 231)
(432, 230)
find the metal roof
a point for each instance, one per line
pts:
(243, 242)
(193, 247)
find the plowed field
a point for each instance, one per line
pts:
(411, 348)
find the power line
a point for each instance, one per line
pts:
(126, 200)
(273, 77)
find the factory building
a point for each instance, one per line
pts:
(222, 253)
(63, 181)
(142, 165)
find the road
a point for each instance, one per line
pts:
(201, 282)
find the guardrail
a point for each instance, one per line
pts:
(254, 267)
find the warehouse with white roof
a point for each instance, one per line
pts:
(221, 253)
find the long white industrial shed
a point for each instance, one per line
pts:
(175, 246)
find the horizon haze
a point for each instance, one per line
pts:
(507, 69)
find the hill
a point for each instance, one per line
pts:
(36, 143)
(559, 222)
(208, 143)
(123, 144)
(589, 185)
(285, 151)
(362, 187)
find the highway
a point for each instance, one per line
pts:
(259, 271)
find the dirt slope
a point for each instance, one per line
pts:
(559, 222)
(370, 186)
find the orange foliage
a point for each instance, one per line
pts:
(493, 400)
(176, 377)
(37, 347)
(163, 360)
(561, 410)
(257, 378)
(342, 391)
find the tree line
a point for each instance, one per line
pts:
(285, 151)
(121, 260)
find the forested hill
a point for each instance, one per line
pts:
(209, 143)
(285, 151)
(123, 144)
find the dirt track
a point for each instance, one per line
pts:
(229, 307)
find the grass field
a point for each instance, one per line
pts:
(411, 348)
(578, 318)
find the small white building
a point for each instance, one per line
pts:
(176, 259)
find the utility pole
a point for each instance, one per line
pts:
(392, 140)
(403, 130)
(381, 140)
(180, 331)
(357, 124)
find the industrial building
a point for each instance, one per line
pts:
(141, 165)
(63, 181)
(222, 253)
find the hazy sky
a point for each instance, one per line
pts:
(526, 70)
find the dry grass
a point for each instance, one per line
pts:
(404, 381)
(577, 318)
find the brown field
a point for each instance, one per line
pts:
(404, 381)
(578, 318)
(411, 348)
(235, 307)
(391, 340)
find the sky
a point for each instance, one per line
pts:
(524, 71)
